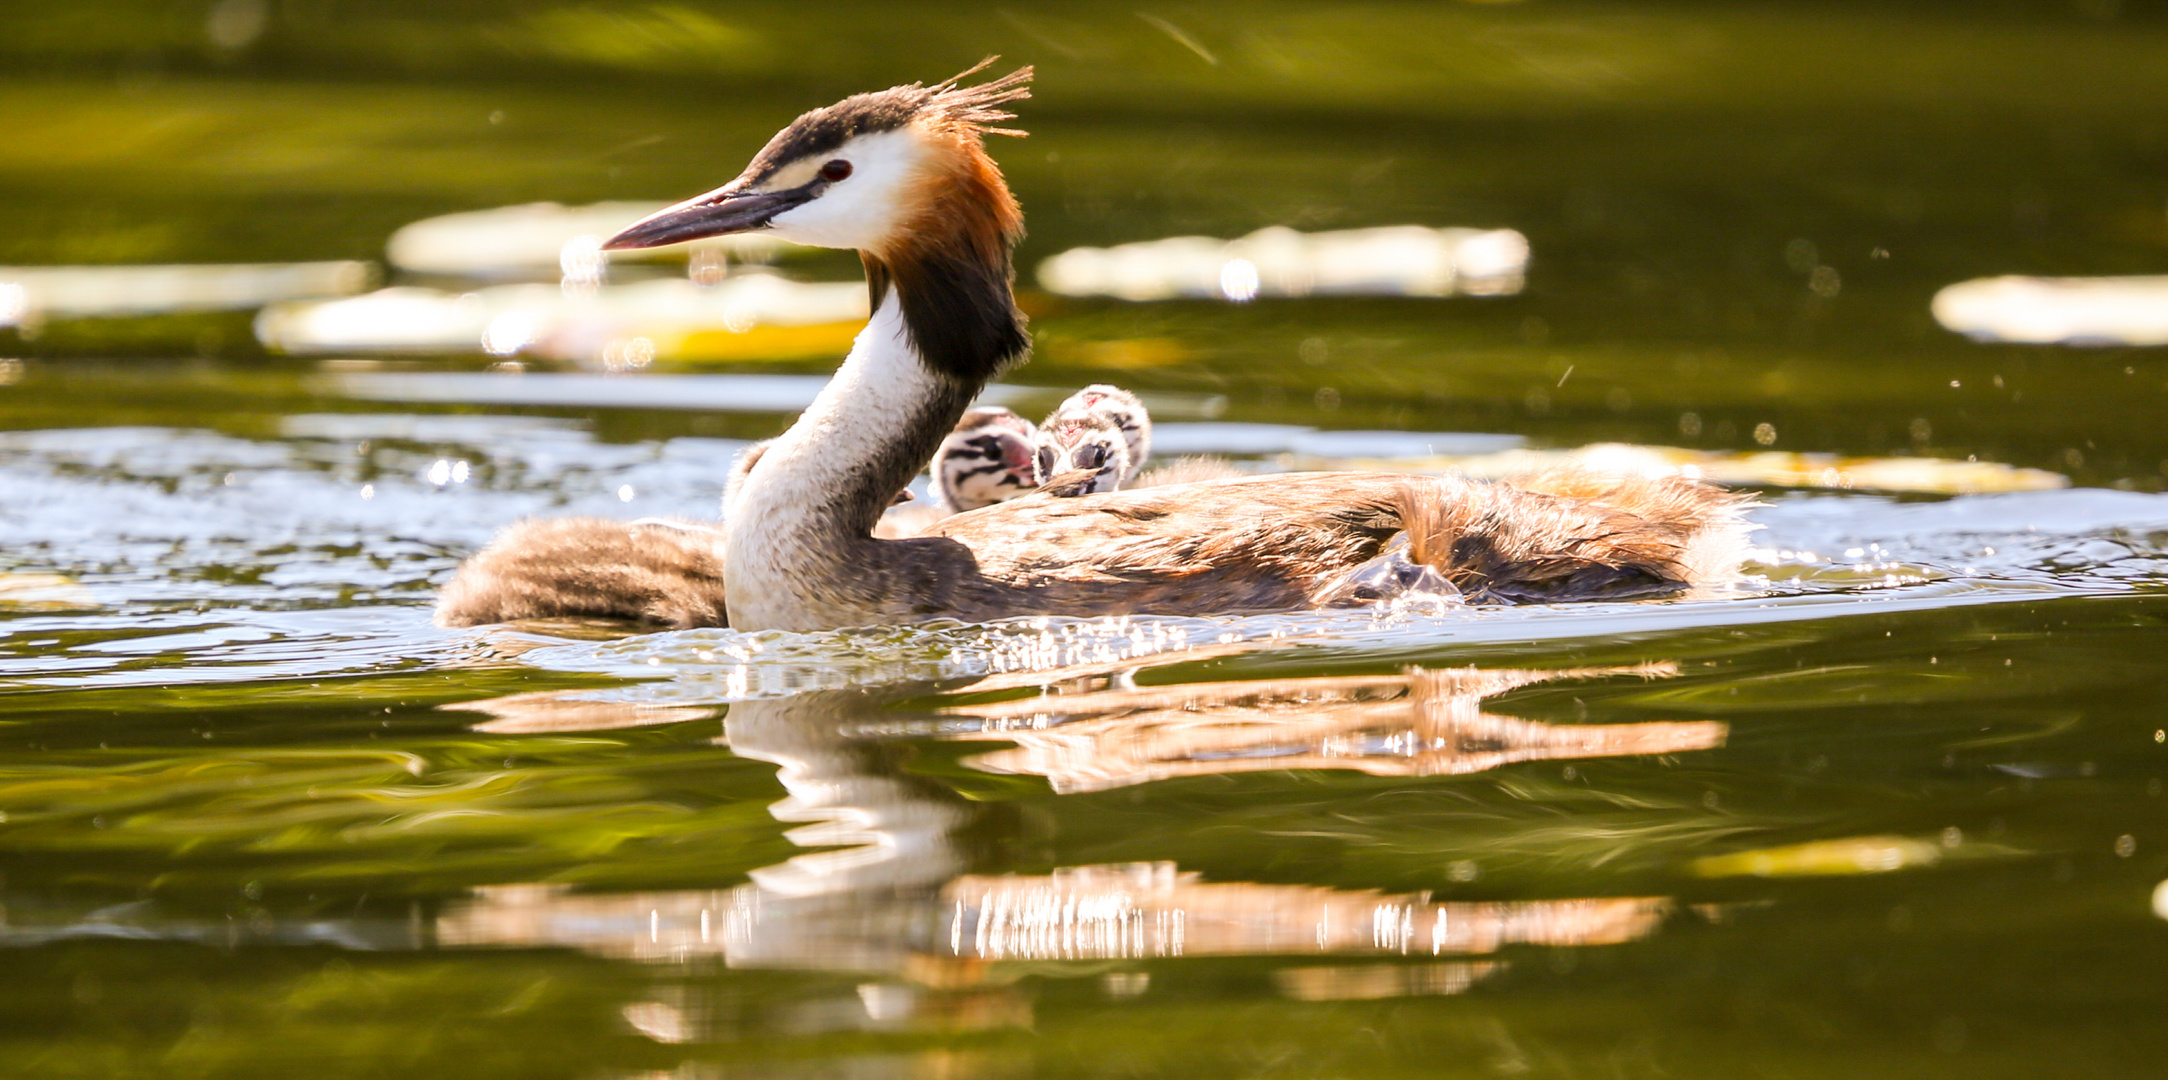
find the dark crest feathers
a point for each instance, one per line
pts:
(981, 106)
(826, 129)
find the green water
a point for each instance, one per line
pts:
(257, 817)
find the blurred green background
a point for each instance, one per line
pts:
(1683, 172)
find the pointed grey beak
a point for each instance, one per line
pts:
(717, 213)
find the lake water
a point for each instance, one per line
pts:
(1891, 806)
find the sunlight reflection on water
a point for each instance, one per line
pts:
(156, 519)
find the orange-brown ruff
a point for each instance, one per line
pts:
(936, 242)
(950, 251)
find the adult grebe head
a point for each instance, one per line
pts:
(987, 459)
(902, 176)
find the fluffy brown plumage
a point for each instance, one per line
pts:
(1271, 543)
(670, 575)
(1189, 470)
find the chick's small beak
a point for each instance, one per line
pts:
(717, 213)
(1020, 458)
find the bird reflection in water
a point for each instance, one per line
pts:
(1422, 723)
(898, 898)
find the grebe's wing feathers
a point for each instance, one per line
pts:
(1275, 542)
(1219, 548)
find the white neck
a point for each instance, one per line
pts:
(798, 533)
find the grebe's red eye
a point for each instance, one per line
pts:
(835, 170)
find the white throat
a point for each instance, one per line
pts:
(785, 545)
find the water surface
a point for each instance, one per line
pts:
(1892, 806)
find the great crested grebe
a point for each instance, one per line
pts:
(1105, 428)
(1086, 443)
(987, 458)
(1117, 407)
(902, 176)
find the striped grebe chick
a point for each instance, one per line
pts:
(1078, 430)
(988, 457)
(1088, 444)
(903, 177)
(1119, 408)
